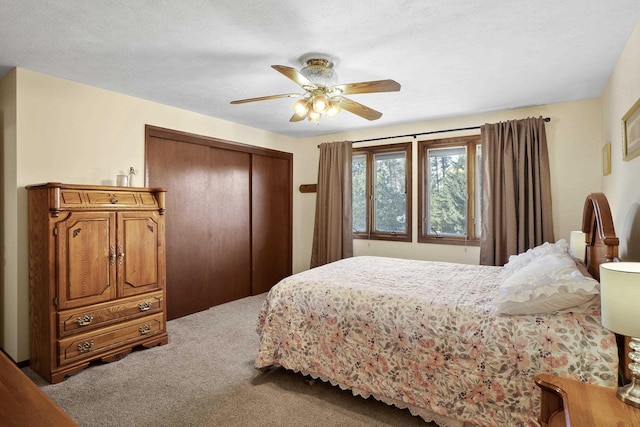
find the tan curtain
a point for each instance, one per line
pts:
(516, 189)
(332, 234)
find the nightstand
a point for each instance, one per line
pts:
(573, 403)
(22, 403)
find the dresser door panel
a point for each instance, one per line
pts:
(139, 240)
(86, 261)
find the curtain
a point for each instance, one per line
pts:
(332, 233)
(516, 189)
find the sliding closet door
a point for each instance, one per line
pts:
(229, 229)
(208, 215)
(229, 217)
(270, 220)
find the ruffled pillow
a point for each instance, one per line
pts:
(546, 283)
(518, 261)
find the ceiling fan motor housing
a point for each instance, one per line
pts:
(320, 71)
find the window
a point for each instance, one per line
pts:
(450, 190)
(382, 192)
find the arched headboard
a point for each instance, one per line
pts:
(600, 235)
(602, 246)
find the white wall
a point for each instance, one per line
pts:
(573, 138)
(622, 186)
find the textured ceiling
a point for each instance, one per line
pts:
(452, 58)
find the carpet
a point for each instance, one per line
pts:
(205, 377)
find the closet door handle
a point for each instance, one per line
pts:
(112, 255)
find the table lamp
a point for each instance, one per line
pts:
(620, 303)
(577, 245)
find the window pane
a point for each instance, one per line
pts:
(359, 192)
(447, 191)
(390, 192)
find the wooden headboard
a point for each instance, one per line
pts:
(602, 246)
(600, 236)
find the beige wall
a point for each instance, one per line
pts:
(73, 133)
(622, 185)
(573, 138)
(8, 231)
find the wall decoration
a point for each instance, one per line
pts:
(606, 159)
(631, 132)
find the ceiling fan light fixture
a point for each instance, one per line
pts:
(313, 116)
(333, 110)
(301, 107)
(320, 103)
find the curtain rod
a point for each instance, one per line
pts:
(546, 119)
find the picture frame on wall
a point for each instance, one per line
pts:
(631, 132)
(606, 159)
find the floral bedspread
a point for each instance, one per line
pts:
(425, 335)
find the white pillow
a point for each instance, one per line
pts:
(520, 260)
(548, 283)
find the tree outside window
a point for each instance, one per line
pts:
(382, 192)
(450, 190)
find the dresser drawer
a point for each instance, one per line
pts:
(92, 199)
(110, 198)
(86, 319)
(92, 344)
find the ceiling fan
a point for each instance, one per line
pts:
(323, 96)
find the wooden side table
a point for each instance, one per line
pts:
(567, 402)
(22, 403)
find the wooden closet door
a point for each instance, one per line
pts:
(229, 224)
(271, 194)
(208, 234)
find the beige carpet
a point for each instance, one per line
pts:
(205, 377)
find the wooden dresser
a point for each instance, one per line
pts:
(96, 274)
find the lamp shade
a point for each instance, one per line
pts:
(577, 244)
(620, 297)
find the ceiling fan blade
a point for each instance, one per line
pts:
(264, 98)
(359, 109)
(369, 87)
(294, 75)
(296, 118)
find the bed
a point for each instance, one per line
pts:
(441, 339)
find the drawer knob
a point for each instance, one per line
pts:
(85, 346)
(145, 329)
(114, 199)
(144, 306)
(85, 320)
